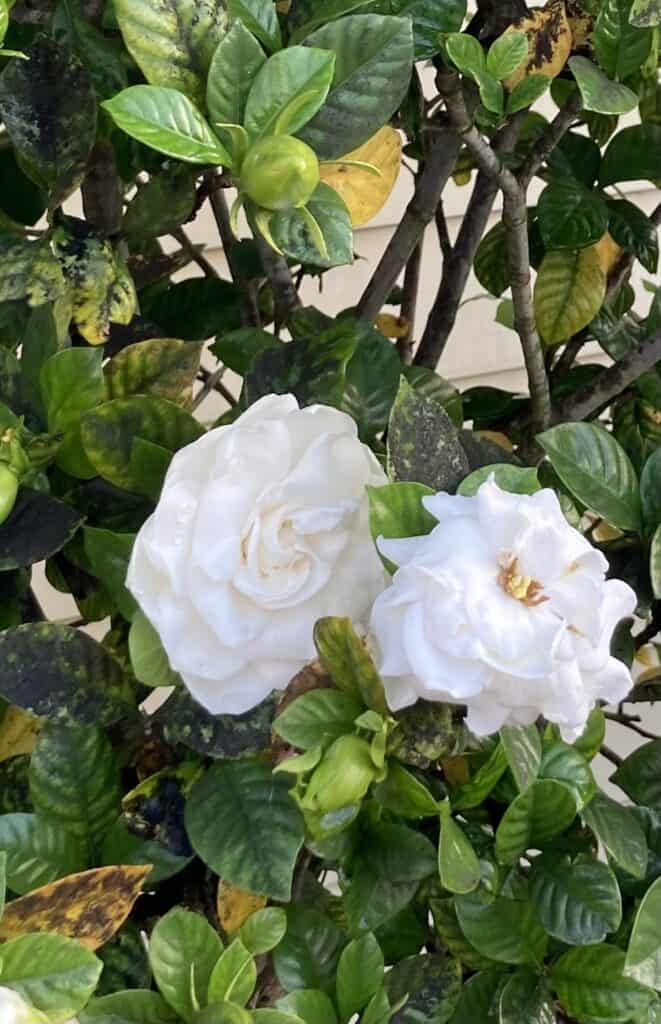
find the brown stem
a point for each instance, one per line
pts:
(410, 302)
(630, 722)
(285, 295)
(194, 253)
(250, 314)
(610, 755)
(554, 132)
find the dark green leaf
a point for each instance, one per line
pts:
(639, 775)
(523, 747)
(598, 92)
(566, 764)
(634, 153)
(244, 825)
(121, 846)
(292, 235)
(577, 903)
(619, 832)
(259, 16)
(38, 852)
(160, 206)
(234, 67)
(650, 490)
(237, 349)
(571, 217)
(477, 1001)
(501, 928)
(430, 19)
(534, 818)
(402, 793)
(491, 267)
(359, 975)
(619, 46)
(472, 793)
(372, 380)
(591, 984)
(60, 673)
(458, 865)
(575, 156)
(643, 961)
(197, 309)
(37, 527)
(525, 997)
(222, 736)
(655, 562)
(635, 232)
(307, 956)
(373, 60)
(423, 445)
(21, 200)
(317, 717)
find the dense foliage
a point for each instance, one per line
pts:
(318, 857)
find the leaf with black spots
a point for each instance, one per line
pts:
(37, 527)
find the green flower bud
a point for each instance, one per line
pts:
(8, 491)
(279, 173)
(342, 778)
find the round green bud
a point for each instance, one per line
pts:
(8, 491)
(279, 173)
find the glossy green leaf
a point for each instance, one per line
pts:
(309, 15)
(135, 1006)
(643, 959)
(58, 672)
(506, 54)
(183, 950)
(472, 793)
(491, 267)
(526, 997)
(523, 746)
(307, 956)
(619, 46)
(478, 1001)
(373, 61)
(396, 510)
(37, 527)
(260, 18)
(233, 977)
(569, 291)
(597, 471)
(575, 156)
(53, 974)
(430, 20)
(566, 764)
(197, 308)
(160, 206)
(458, 866)
(526, 92)
(619, 832)
(345, 657)
(503, 929)
(317, 717)
(310, 1005)
(634, 231)
(359, 975)
(534, 818)
(109, 555)
(291, 232)
(591, 984)
(402, 793)
(264, 930)
(634, 153)
(639, 775)
(570, 216)
(579, 904)
(245, 826)
(371, 382)
(599, 92)
(234, 67)
(110, 431)
(74, 780)
(38, 852)
(148, 658)
(466, 54)
(514, 479)
(166, 120)
(288, 90)
(423, 445)
(173, 41)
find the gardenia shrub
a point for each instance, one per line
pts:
(327, 738)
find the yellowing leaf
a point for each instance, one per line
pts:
(609, 253)
(497, 437)
(18, 732)
(235, 906)
(461, 178)
(581, 24)
(604, 532)
(89, 906)
(363, 192)
(456, 770)
(549, 42)
(569, 291)
(392, 326)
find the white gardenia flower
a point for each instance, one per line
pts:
(15, 1010)
(261, 529)
(503, 607)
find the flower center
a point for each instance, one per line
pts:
(521, 588)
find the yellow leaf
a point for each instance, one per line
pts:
(18, 732)
(392, 326)
(581, 24)
(363, 192)
(604, 532)
(235, 906)
(89, 906)
(549, 42)
(461, 178)
(609, 253)
(456, 770)
(497, 437)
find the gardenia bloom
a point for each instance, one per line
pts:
(261, 529)
(503, 607)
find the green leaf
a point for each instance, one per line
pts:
(534, 818)
(309, 1005)
(432, 983)
(373, 62)
(237, 349)
(523, 746)
(525, 997)
(109, 555)
(346, 659)
(570, 216)
(423, 445)
(492, 94)
(527, 92)
(259, 16)
(472, 793)
(633, 153)
(477, 1001)
(643, 959)
(575, 156)
(396, 510)
(490, 265)
(404, 795)
(54, 974)
(467, 54)
(578, 904)
(597, 471)
(166, 120)
(110, 432)
(148, 658)
(74, 780)
(569, 292)
(71, 382)
(234, 67)
(197, 308)
(619, 832)
(359, 975)
(160, 206)
(372, 380)
(121, 846)
(650, 490)
(134, 1006)
(288, 90)
(264, 930)
(234, 976)
(645, 13)
(639, 775)
(291, 232)
(430, 20)
(245, 826)
(619, 46)
(310, 14)
(3, 880)
(317, 717)
(501, 928)
(589, 742)
(183, 950)
(598, 92)
(60, 673)
(48, 107)
(307, 956)
(635, 232)
(591, 984)
(515, 479)
(566, 764)
(458, 865)
(655, 563)
(506, 54)
(38, 852)
(173, 41)
(36, 528)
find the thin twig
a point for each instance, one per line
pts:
(442, 231)
(568, 355)
(610, 755)
(213, 382)
(285, 295)
(222, 218)
(550, 138)
(630, 722)
(196, 256)
(409, 303)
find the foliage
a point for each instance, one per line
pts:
(470, 882)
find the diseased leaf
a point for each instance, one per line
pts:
(165, 367)
(235, 906)
(599, 92)
(364, 193)
(89, 907)
(569, 291)
(28, 270)
(37, 527)
(423, 445)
